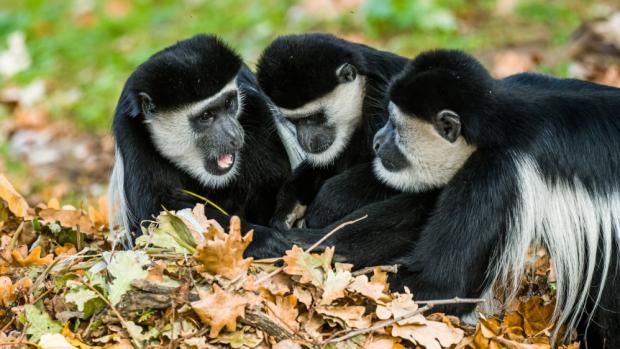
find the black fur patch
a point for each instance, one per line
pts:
(188, 71)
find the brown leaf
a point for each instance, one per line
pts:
(67, 249)
(310, 266)
(536, 315)
(285, 311)
(346, 316)
(225, 257)
(33, 259)
(99, 215)
(68, 218)
(401, 305)
(334, 286)
(380, 277)
(363, 286)
(16, 202)
(156, 272)
(432, 335)
(9, 291)
(219, 309)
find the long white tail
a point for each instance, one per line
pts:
(118, 210)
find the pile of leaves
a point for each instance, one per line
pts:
(188, 285)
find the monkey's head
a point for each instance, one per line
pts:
(437, 106)
(317, 81)
(189, 98)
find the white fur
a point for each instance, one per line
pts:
(570, 222)
(175, 139)
(343, 109)
(433, 160)
(118, 211)
(288, 136)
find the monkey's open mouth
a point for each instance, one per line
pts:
(221, 164)
(225, 161)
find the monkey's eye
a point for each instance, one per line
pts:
(231, 103)
(206, 117)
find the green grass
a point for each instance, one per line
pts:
(96, 59)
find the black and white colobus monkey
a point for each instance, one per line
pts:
(524, 160)
(192, 117)
(333, 92)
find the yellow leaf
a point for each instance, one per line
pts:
(225, 257)
(67, 249)
(34, 258)
(99, 215)
(9, 291)
(16, 202)
(219, 309)
(380, 277)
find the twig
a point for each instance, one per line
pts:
(21, 342)
(385, 268)
(328, 235)
(16, 235)
(315, 245)
(115, 311)
(382, 324)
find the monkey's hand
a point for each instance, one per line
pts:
(288, 214)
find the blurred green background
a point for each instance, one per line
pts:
(84, 50)
(92, 46)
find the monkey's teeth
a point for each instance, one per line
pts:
(225, 160)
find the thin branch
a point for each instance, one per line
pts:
(385, 268)
(328, 235)
(382, 324)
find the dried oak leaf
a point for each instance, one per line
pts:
(346, 316)
(537, 315)
(335, 284)
(17, 204)
(380, 277)
(431, 335)
(402, 304)
(284, 310)
(69, 218)
(33, 259)
(99, 215)
(225, 257)
(156, 272)
(9, 290)
(310, 266)
(374, 291)
(219, 309)
(67, 249)
(382, 342)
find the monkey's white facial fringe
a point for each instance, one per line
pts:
(343, 110)
(432, 160)
(571, 223)
(119, 214)
(174, 138)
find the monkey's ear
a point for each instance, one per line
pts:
(146, 104)
(346, 73)
(448, 125)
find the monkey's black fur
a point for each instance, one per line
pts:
(187, 72)
(297, 69)
(569, 129)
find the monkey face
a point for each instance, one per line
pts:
(414, 154)
(202, 138)
(325, 125)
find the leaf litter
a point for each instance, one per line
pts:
(188, 285)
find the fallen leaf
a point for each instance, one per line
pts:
(33, 259)
(99, 215)
(125, 266)
(310, 266)
(334, 286)
(363, 286)
(431, 335)
(239, 339)
(40, 323)
(156, 272)
(74, 219)
(285, 311)
(346, 316)
(67, 249)
(55, 341)
(17, 204)
(219, 309)
(225, 257)
(10, 291)
(401, 305)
